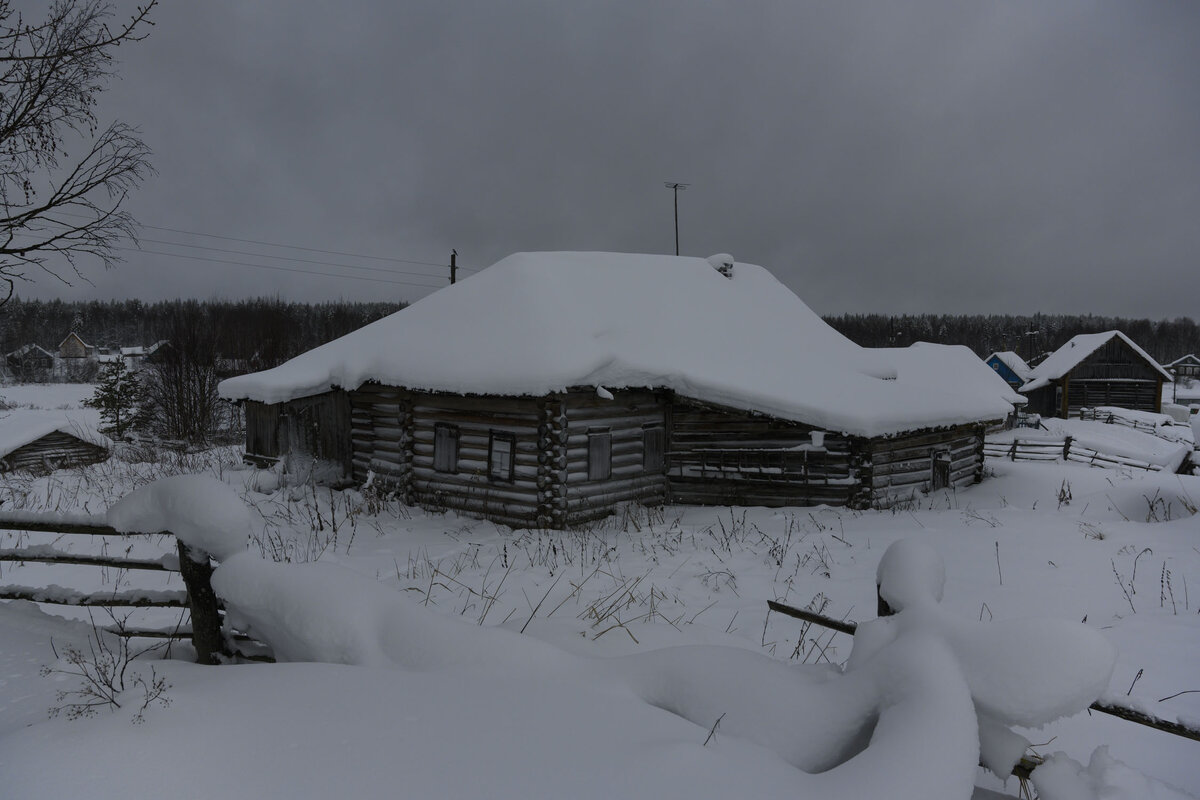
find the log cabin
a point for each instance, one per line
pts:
(551, 388)
(42, 443)
(1095, 369)
(1185, 367)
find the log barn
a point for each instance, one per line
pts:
(551, 388)
(43, 443)
(1095, 369)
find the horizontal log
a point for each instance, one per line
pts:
(48, 555)
(58, 595)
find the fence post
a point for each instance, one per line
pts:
(1067, 449)
(1012, 451)
(197, 573)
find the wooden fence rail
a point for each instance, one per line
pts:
(194, 567)
(1065, 449)
(1113, 709)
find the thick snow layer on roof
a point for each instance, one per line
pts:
(1067, 357)
(19, 429)
(1013, 362)
(536, 323)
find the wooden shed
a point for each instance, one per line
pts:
(1096, 369)
(549, 389)
(43, 443)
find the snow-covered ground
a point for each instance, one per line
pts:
(460, 659)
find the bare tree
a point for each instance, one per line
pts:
(62, 176)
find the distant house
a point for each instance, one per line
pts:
(550, 388)
(44, 442)
(1009, 366)
(1095, 369)
(75, 347)
(1186, 367)
(30, 363)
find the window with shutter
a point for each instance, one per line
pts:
(654, 446)
(445, 447)
(599, 454)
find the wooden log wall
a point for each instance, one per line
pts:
(625, 417)
(381, 436)
(470, 488)
(900, 467)
(53, 451)
(699, 429)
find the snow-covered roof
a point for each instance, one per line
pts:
(535, 323)
(1071, 354)
(1190, 358)
(30, 349)
(18, 430)
(1012, 361)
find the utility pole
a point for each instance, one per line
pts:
(676, 187)
(453, 266)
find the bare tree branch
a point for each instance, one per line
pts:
(55, 208)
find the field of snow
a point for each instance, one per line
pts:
(440, 655)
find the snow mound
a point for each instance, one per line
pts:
(921, 681)
(202, 512)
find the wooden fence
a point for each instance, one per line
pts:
(1065, 449)
(1160, 431)
(194, 568)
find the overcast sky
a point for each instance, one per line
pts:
(898, 157)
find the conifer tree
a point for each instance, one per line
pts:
(120, 398)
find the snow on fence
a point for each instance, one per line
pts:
(1064, 449)
(204, 628)
(1124, 712)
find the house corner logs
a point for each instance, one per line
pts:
(552, 462)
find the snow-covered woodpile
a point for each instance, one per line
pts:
(551, 388)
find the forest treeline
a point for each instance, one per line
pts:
(261, 333)
(1036, 335)
(265, 332)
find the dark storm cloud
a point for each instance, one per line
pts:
(897, 157)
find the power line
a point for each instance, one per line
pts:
(290, 258)
(277, 244)
(279, 269)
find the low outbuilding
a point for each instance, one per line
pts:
(550, 388)
(41, 443)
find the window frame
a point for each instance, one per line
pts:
(448, 463)
(505, 475)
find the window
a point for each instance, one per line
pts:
(654, 446)
(445, 448)
(501, 454)
(939, 477)
(599, 454)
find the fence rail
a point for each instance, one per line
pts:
(1065, 449)
(193, 567)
